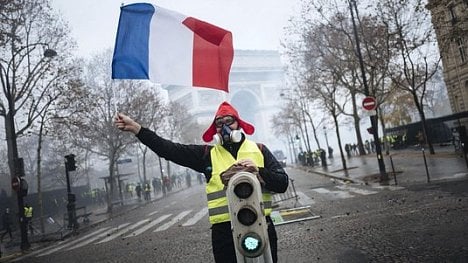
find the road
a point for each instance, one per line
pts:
(358, 223)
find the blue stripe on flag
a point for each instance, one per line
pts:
(130, 59)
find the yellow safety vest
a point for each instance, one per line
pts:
(221, 160)
(28, 211)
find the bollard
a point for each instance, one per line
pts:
(393, 170)
(425, 165)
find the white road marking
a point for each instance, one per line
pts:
(356, 190)
(196, 217)
(73, 242)
(152, 213)
(149, 225)
(388, 187)
(337, 194)
(122, 231)
(173, 221)
(92, 239)
(304, 199)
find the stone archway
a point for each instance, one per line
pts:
(248, 106)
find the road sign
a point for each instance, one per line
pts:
(15, 184)
(121, 161)
(369, 103)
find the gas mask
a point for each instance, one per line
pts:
(227, 135)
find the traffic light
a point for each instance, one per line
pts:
(70, 162)
(19, 169)
(249, 227)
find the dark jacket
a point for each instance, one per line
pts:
(197, 157)
(7, 220)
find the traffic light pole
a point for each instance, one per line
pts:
(16, 171)
(71, 212)
(373, 118)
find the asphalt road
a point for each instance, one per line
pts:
(358, 223)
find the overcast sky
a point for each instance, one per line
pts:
(255, 24)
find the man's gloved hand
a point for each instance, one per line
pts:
(241, 166)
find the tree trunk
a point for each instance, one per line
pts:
(337, 129)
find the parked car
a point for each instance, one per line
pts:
(279, 155)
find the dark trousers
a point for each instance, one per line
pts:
(28, 223)
(7, 231)
(223, 243)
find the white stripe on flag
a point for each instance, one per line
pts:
(169, 34)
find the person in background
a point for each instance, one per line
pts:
(138, 191)
(28, 215)
(330, 152)
(231, 148)
(147, 190)
(7, 223)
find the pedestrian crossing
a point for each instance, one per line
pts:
(155, 221)
(333, 192)
(349, 191)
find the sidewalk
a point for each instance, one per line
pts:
(405, 166)
(56, 231)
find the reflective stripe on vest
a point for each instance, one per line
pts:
(221, 160)
(28, 211)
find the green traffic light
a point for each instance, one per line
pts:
(252, 245)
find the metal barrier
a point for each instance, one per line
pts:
(289, 194)
(81, 212)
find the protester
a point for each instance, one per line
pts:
(138, 191)
(7, 223)
(28, 216)
(232, 148)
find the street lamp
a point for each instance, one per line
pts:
(15, 162)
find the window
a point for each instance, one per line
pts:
(452, 14)
(461, 49)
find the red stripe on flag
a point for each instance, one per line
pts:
(212, 54)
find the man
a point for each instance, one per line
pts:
(28, 215)
(7, 223)
(232, 149)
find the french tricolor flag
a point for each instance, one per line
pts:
(170, 48)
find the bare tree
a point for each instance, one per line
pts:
(154, 118)
(328, 43)
(418, 58)
(94, 129)
(284, 126)
(34, 46)
(33, 58)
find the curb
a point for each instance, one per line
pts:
(344, 179)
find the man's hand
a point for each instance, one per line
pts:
(244, 165)
(125, 123)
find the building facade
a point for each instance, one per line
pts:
(450, 21)
(255, 84)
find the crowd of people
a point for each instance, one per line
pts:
(143, 191)
(352, 149)
(313, 158)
